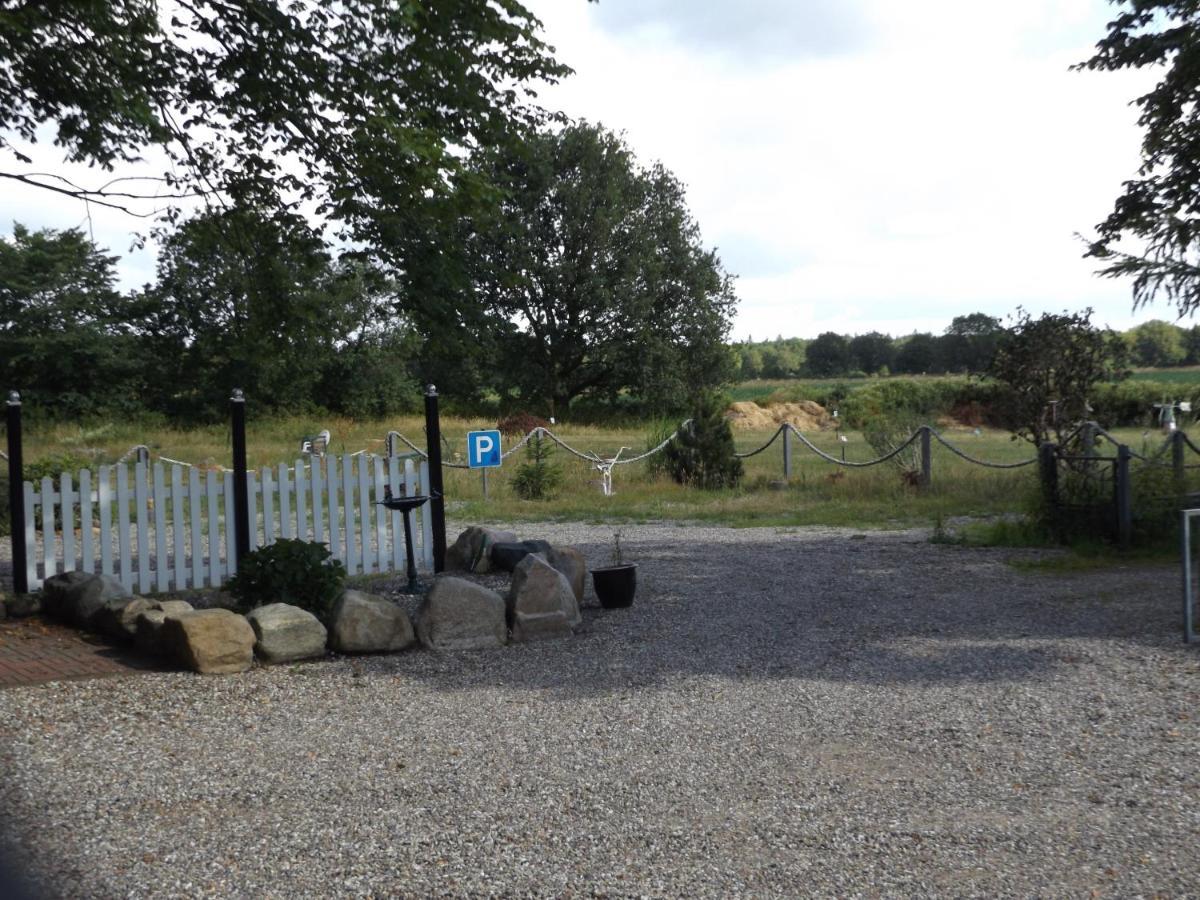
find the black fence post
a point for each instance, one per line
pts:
(1048, 467)
(787, 451)
(1177, 461)
(1124, 497)
(433, 451)
(16, 495)
(241, 487)
(926, 456)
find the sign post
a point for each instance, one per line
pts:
(483, 449)
(483, 453)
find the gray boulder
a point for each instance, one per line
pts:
(571, 563)
(472, 551)
(118, 618)
(18, 606)
(363, 623)
(460, 615)
(285, 633)
(506, 554)
(77, 597)
(210, 641)
(541, 603)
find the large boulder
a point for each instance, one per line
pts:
(118, 618)
(541, 603)
(210, 641)
(460, 615)
(571, 563)
(364, 623)
(18, 606)
(472, 552)
(172, 607)
(148, 624)
(285, 633)
(77, 597)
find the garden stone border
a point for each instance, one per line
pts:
(460, 611)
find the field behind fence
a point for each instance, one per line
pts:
(818, 492)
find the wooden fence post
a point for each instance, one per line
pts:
(16, 495)
(926, 456)
(1124, 498)
(787, 451)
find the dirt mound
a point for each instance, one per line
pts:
(805, 415)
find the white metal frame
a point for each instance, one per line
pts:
(1189, 593)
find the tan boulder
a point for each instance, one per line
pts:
(210, 641)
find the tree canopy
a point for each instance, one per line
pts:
(592, 275)
(68, 338)
(1158, 211)
(1050, 366)
(364, 108)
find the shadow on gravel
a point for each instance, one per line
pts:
(881, 610)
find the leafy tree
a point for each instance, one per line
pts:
(917, 355)
(782, 360)
(362, 107)
(1191, 343)
(68, 339)
(829, 354)
(1049, 368)
(970, 343)
(751, 359)
(592, 275)
(872, 352)
(1158, 344)
(252, 301)
(1157, 209)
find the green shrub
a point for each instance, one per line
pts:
(656, 464)
(300, 573)
(539, 478)
(702, 455)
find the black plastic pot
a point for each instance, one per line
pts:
(615, 585)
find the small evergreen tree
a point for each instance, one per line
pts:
(539, 478)
(702, 455)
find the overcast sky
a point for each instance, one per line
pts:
(859, 164)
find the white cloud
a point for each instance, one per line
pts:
(862, 165)
(940, 166)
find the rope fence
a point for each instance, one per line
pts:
(605, 463)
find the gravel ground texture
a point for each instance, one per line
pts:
(782, 712)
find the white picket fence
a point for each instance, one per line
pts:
(174, 526)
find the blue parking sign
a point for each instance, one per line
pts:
(483, 449)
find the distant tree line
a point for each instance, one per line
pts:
(967, 347)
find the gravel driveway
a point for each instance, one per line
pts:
(782, 712)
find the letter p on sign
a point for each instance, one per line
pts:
(483, 449)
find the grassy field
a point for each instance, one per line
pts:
(819, 492)
(1187, 376)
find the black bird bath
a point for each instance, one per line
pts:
(406, 505)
